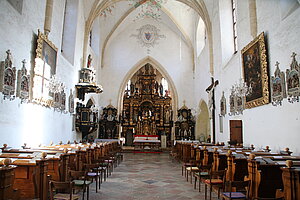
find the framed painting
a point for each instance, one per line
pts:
(278, 91)
(293, 80)
(47, 51)
(255, 72)
(45, 66)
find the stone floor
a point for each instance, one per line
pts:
(147, 176)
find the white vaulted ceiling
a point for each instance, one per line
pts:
(179, 16)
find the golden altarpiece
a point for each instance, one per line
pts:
(147, 106)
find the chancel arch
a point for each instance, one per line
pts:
(203, 122)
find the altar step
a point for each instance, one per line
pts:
(131, 149)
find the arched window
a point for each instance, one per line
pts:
(128, 87)
(165, 85)
(227, 15)
(94, 37)
(201, 36)
(69, 30)
(233, 8)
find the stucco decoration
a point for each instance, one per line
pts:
(8, 77)
(23, 83)
(148, 36)
(278, 86)
(293, 80)
(148, 8)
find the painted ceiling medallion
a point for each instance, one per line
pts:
(149, 8)
(148, 36)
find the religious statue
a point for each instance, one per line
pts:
(167, 117)
(156, 87)
(89, 62)
(131, 89)
(166, 93)
(161, 88)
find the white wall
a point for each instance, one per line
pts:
(30, 123)
(278, 126)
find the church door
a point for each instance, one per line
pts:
(236, 131)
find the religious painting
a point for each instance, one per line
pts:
(293, 81)
(49, 56)
(278, 91)
(239, 104)
(23, 83)
(232, 103)
(255, 71)
(63, 101)
(7, 77)
(45, 66)
(57, 100)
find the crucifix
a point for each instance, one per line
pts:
(211, 104)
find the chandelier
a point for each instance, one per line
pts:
(149, 8)
(241, 89)
(55, 85)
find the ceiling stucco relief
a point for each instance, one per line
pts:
(148, 36)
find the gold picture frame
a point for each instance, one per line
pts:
(255, 72)
(46, 51)
(44, 68)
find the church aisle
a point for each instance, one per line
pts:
(147, 176)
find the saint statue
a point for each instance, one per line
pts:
(131, 89)
(89, 62)
(161, 89)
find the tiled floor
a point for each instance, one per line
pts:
(147, 176)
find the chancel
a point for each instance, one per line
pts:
(137, 99)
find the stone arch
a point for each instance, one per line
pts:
(203, 122)
(161, 69)
(198, 6)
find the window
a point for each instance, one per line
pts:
(165, 85)
(228, 24)
(234, 25)
(201, 36)
(69, 30)
(128, 87)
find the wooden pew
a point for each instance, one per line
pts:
(266, 176)
(7, 174)
(291, 181)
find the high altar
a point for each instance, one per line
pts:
(147, 107)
